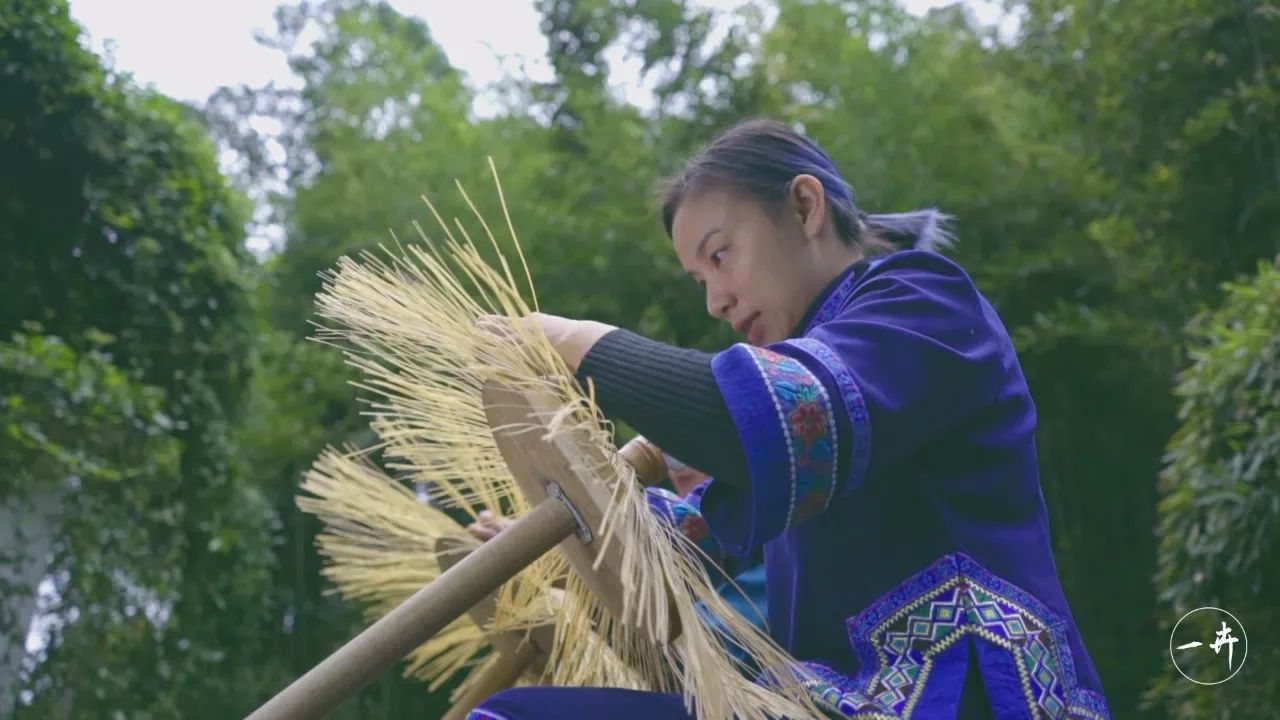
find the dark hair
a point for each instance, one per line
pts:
(761, 157)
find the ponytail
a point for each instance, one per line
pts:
(927, 229)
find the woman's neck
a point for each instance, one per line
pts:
(832, 262)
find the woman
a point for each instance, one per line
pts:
(873, 434)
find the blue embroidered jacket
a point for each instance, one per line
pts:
(894, 489)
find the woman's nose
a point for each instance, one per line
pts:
(718, 303)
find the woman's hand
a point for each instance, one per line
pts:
(570, 338)
(684, 479)
(487, 525)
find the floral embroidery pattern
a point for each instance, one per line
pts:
(899, 637)
(808, 423)
(855, 406)
(695, 528)
(685, 516)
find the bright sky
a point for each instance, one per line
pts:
(189, 48)
(186, 49)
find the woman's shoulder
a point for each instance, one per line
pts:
(906, 287)
(927, 293)
(923, 273)
(916, 263)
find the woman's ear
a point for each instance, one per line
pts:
(809, 202)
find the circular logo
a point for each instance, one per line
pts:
(1208, 646)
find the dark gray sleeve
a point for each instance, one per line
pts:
(669, 395)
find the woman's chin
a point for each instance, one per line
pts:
(768, 338)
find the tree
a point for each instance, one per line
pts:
(381, 118)
(87, 448)
(1219, 521)
(1174, 105)
(124, 312)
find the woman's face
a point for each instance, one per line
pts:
(756, 267)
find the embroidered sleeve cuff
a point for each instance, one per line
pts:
(856, 425)
(800, 416)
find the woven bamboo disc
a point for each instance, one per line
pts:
(558, 466)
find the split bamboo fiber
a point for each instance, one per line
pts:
(406, 318)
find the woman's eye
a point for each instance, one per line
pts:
(717, 256)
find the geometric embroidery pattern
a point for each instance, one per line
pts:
(899, 637)
(808, 421)
(834, 302)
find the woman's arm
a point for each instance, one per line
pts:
(669, 395)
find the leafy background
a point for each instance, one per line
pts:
(1114, 169)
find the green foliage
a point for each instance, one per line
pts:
(1219, 511)
(1177, 101)
(379, 110)
(1224, 460)
(80, 429)
(120, 237)
(381, 119)
(1171, 105)
(68, 415)
(1109, 168)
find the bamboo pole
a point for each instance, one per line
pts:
(647, 460)
(425, 613)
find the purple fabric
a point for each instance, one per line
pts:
(894, 490)
(939, 459)
(791, 439)
(685, 516)
(554, 703)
